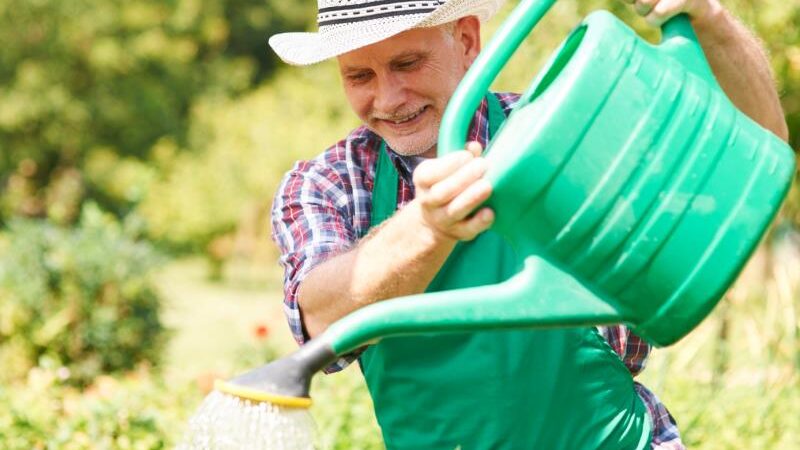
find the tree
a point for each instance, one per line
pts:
(81, 76)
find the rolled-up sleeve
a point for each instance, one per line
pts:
(311, 222)
(632, 350)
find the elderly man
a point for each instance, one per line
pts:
(377, 216)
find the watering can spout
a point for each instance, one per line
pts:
(541, 295)
(631, 185)
(285, 381)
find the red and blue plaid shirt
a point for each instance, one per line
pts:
(322, 208)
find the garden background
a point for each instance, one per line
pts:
(141, 142)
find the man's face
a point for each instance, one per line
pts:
(400, 87)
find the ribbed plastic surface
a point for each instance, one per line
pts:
(628, 167)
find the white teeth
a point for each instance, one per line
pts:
(409, 117)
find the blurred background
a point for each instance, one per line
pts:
(141, 142)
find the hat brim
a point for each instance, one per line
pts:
(310, 48)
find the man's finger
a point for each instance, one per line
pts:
(466, 202)
(475, 148)
(447, 189)
(431, 171)
(480, 222)
(665, 10)
(643, 7)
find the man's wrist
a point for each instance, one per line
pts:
(708, 22)
(431, 237)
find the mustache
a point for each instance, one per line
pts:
(396, 115)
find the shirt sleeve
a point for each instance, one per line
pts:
(632, 350)
(665, 434)
(310, 223)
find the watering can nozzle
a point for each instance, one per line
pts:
(283, 382)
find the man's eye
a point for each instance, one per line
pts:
(405, 65)
(358, 77)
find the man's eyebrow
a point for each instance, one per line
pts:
(396, 59)
(353, 70)
(409, 54)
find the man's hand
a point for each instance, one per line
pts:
(656, 12)
(448, 189)
(402, 255)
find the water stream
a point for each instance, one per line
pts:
(225, 422)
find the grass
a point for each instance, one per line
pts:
(752, 404)
(212, 321)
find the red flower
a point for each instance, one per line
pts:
(261, 331)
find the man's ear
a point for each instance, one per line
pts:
(468, 32)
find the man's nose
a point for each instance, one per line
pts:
(391, 94)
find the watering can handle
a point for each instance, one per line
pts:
(476, 82)
(678, 40)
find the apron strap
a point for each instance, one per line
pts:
(496, 115)
(384, 191)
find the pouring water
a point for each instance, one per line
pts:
(228, 422)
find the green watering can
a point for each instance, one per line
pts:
(633, 187)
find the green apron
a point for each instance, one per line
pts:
(524, 389)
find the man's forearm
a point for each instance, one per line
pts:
(402, 256)
(741, 68)
(389, 262)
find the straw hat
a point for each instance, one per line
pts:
(346, 25)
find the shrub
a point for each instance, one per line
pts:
(217, 198)
(83, 75)
(137, 412)
(77, 298)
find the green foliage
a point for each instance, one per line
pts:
(343, 411)
(81, 75)
(737, 416)
(243, 148)
(137, 412)
(81, 299)
(142, 411)
(262, 351)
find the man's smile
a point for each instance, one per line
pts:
(404, 123)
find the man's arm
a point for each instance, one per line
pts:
(402, 256)
(736, 57)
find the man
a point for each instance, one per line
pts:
(377, 216)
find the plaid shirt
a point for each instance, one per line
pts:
(323, 207)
